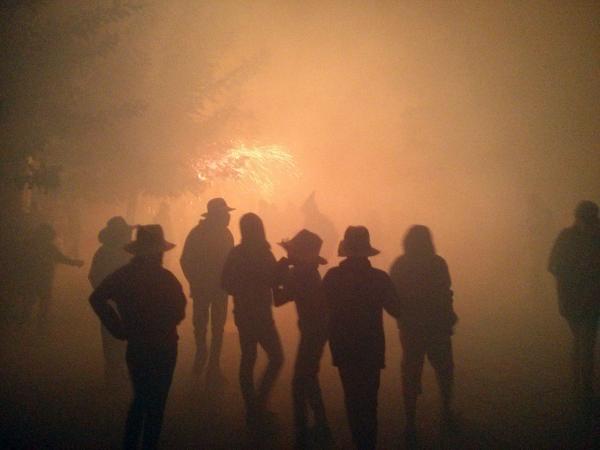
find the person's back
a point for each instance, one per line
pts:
(149, 300)
(575, 263)
(424, 286)
(204, 254)
(249, 276)
(356, 296)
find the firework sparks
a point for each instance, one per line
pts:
(258, 166)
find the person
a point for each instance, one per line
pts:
(422, 281)
(150, 303)
(302, 284)
(202, 260)
(575, 264)
(41, 256)
(249, 276)
(356, 295)
(109, 257)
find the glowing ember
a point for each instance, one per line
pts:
(258, 166)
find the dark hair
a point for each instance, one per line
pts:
(418, 241)
(253, 230)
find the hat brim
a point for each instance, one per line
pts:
(322, 261)
(136, 249)
(344, 252)
(220, 210)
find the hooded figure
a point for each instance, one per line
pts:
(356, 295)
(249, 275)
(301, 283)
(422, 282)
(109, 257)
(202, 260)
(150, 304)
(575, 264)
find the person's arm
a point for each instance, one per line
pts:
(556, 261)
(108, 316)
(390, 300)
(180, 301)
(60, 258)
(187, 260)
(282, 292)
(229, 274)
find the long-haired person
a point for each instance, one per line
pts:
(422, 281)
(249, 275)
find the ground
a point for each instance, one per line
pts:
(512, 388)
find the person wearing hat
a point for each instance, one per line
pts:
(149, 305)
(575, 264)
(301, 282)
(204, 252)
(356, 295)
(422, 281)
(40, 257)
(109, 257)
(249, 275)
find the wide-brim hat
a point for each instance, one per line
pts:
(356, 242)
(115, 229)
(586, 210)
(306, 246)
(217, 205)
(150, 239)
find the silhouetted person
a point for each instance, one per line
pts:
(356, 295)
(41, 256)
(422, 282)
(575, 263)
(314, 219)
(302, 284)
(150, 303)
(204, 254)
(249, 276)
(110, 256)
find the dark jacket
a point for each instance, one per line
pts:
(575, 263)
(150, 303)
(107, 259)
(204, 253)
(356, 294)
(423, 285)
(302, 285)
(249, 275)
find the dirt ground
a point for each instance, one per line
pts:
(512, 388)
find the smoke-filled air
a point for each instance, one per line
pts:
(306, 224)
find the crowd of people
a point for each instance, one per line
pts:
(140, 303)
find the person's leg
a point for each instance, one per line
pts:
(299, 395)
(200, 322)
(218, 316)
(589, 333)
(137, 408)
(361, 386)
(248, 347)
(413, 354)
(439, 353)
(162, 376)
(269, 340)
